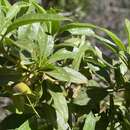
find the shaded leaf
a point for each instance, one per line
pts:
(14, 121)
(7, 75)
(24, 126)
(33, 18)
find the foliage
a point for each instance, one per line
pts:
(57, 78)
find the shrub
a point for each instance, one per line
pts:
(54, 74)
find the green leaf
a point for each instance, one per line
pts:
(11, 14)
(81, 31)
(45, 42)
(2, 20)
(71, 42)
(116, 40)
(61, 123)
(24, 126)
(60, 104)
(127, 24)
(81, 97)
(80, 54)
(35, 40)
(33, 18)
(61, 54)
(39, 8)
(119, 78)
(68, 74)
(14, 121)
(110, 45)
(90, 122)
(77, 25)
(13, 10)
(28, 32)
(60, 74)
(75, 76)
(5, 3)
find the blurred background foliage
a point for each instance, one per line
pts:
(108, 13)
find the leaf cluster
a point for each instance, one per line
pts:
(55, 74)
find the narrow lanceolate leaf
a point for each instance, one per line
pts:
(33, 18)
(77, 25)
(2, 20)
(107, 43)
(127, 24)
(14, 9)
(90, 122)
(60, 104)
(81, 51)
(45, 43)
(81, 31)
(116, 40)
(38, 7)
(11, 14)
(5, 3)
(61, 54)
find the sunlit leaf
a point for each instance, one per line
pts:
(33, 18)
(75, 76)
(61, 54)
(77, 25)
(68, 74)
(90, 122)
(82, 31)
(80, 54)
(127, 24)
(60, 104)
(60, 74)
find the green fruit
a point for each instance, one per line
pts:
(22, 88)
